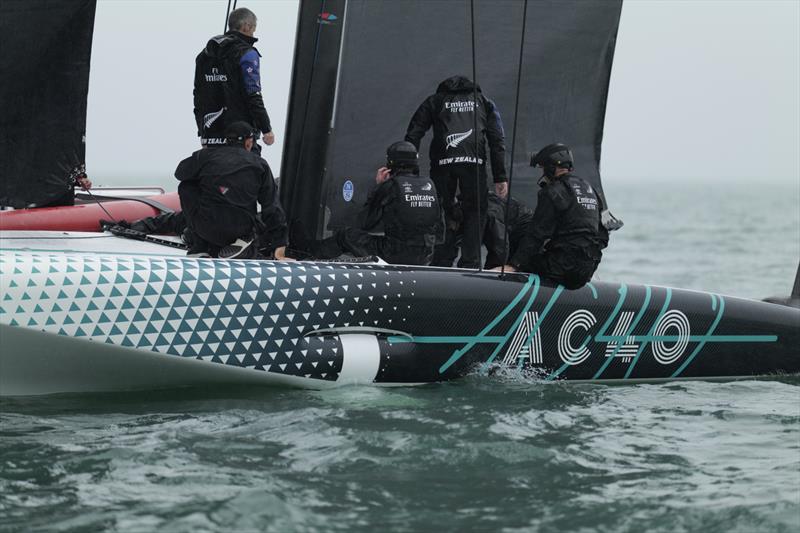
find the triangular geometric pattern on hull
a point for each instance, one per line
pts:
(250, 314)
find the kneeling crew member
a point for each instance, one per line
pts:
(502, 243)
(407, 205)
(565, 238)
(219, 189)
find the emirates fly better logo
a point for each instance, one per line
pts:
(216, 76)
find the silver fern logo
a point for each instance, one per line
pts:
(210, 118)
(456, 138)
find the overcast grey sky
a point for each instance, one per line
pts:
(702, 89)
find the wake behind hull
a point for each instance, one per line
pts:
(320, 325)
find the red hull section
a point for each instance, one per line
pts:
(85, 217)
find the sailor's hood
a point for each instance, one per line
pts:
(220, 45)
(457, 84)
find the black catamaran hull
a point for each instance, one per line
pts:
(75, 322)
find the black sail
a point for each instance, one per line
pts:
(363, 66)
(46, 47)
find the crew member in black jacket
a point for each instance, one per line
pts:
(455, 150)
(407, 205)
(227, 82)
(502, 241)
(219, 189)
(565, 238)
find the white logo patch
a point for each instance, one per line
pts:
(216, 76)
(456, 138)
(209, 119)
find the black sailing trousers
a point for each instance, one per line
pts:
(473, 193)
(215, 225)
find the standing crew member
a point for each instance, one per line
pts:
(219, 189)
(227, 82)
(454, 151)
(407, 205)
(565, 238)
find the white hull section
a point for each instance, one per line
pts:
(36, 362)
(83, 242)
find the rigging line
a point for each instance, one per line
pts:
(477, 137)
(227, 14)
(506, 249)
(93, 197)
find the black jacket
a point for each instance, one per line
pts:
(409, 208)
(519, 217)
(566, 219)
(450, 113)
(232, 180)
(220, 96)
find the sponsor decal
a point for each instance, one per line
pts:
(590, 204)
(427, 187)
(460, 107)
(567, 351)
(681, 330)
(455, 139)
(210, 118)
(327, 18)
(527, 342)
(216, 76)
(223, 190)
(666, 337)
(628, 349)
(459, 159)
(347, 190)
(420, 200)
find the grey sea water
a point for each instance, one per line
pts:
(490, 453)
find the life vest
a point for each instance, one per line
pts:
(458, 140)
(415, 211)
(579, 208)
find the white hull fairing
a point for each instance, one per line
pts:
(83, 312)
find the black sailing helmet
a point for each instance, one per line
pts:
(402, 154)
(553, 156)
(238, 131)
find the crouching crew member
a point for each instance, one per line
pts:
(565, 238)
(218, 191)
(407, 205)
(502, 241)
